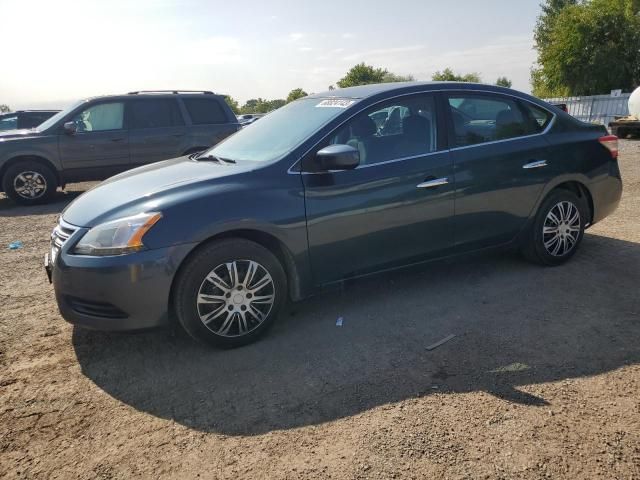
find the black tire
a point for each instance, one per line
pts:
(191, 283)
(42, 188)
(533, 245)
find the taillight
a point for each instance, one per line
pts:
(611, 142)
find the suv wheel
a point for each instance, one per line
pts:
(229, 293)
(29, 182)
(558, 228)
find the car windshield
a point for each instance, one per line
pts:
(53, 120)
(281, 131)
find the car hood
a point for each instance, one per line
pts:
(149, 188)
(13, 134)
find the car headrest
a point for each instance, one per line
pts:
(364, 127)
(505, 117)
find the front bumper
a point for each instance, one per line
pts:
(116, 293)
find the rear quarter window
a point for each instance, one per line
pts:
(205, 111)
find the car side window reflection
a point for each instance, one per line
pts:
(101, 117)
(396, 129)
(487, 118)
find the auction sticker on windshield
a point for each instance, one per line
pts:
(336, 103)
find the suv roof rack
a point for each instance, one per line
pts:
(175, 92)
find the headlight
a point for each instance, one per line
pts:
(118, 236)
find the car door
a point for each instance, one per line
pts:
(156, 130)
(500, 162)
(100, 145)
(396, 207)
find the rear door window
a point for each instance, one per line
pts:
(487, 118)
(155, 113)
(205, 111)
(541, 117)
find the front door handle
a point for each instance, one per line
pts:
(436, 182)
(536, 164)
(120, 139)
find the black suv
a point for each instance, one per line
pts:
(99, 137)
(24, 119)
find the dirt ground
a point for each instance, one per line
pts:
(541, 381)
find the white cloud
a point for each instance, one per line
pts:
(294, 37)
(383, 52)
(348, 35)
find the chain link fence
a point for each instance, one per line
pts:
(596, 108)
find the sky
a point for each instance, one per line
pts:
(55, 52)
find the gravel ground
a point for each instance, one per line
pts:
(541, 381)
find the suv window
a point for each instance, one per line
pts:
(155, 113)
(31, 120)
(486, 118)
(9, 122)
(204, 111)
(101, 117)
(395, 129)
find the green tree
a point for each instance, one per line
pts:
(447, 75)
(589, 48)
(504, 82)
(392, 77)
(233, 104)
(362, 74)
(260, 105)
(546, 20)
(295, 94)
(4, 108)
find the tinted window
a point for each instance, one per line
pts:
(486, 118)
(155, 113)
(9, 122)
(397, 129)
(204, 111)
(31, 120)
(540, 115)
(104, 116)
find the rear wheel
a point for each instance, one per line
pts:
(229, 293)
(29, 182)
(557, 229)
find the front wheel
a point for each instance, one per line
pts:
(557, 229)
(29, 182)
(229, 293)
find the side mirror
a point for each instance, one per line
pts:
(70, 128)
(338, 157)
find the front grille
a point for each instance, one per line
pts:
(59, 236)
(61, 233)
(95, 309)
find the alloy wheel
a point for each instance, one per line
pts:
(235, 298)
(561, 229)
(30, 185)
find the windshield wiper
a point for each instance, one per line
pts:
(213, 158)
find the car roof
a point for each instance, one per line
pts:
(364, 91)
(136, 95)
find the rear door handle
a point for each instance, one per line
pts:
(536, 164)
(436, 182)
(117, 139)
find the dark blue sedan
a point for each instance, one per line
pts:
(330, 187)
